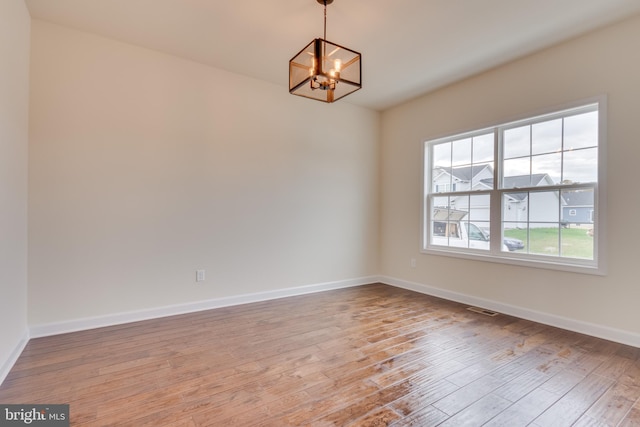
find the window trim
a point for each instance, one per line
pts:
(597, 266)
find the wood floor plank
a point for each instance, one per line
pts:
(380, 417)
(567, 410)
(617, 401)
(467, 395)
(632, 418)
(426, 416)
(420, 398)
(524, 384)
(479, 412)
(562, 382)
(367, 406)
(364, 356)
(525, 410)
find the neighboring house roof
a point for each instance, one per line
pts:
(521, 181)
(465, 173)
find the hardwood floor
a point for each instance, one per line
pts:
(366, 356)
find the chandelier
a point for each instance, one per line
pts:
(323, 70)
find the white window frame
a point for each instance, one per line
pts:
(596, 266)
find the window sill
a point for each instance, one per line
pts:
(567, 265)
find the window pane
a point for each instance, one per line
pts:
(478, 235)
(581, 131)
(544, 206)
(440, 203)
(451, 222)
(515, 221)
(581, 166)
(516, 142)
(447, 222)
(441, 180)
(482, 177)
(577, 207)
(543, 239)
(460, 203)
(577, 222)
(514, 210)
(483, 148)
(479, 208)
(546, 166)
(440, 221)
(461, 152)
(516, 239)
(577, 242)
(516, 173)
(547, 137)
(442, 155)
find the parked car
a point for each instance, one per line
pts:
(449, 229)
(513, 244)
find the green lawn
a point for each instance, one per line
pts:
(576, 243)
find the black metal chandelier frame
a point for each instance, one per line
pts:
(323, 70)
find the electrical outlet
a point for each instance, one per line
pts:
(413, 263)
(199, 275)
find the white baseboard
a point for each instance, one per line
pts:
(599, 331)
(612, 334)
(75, 325)
(13, 357)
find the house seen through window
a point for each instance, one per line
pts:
(525, 190)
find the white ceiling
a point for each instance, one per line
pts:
(408, 47)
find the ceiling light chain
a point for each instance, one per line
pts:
(325, 19)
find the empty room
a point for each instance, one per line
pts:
(319, 213)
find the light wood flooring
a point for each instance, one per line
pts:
(365, 356)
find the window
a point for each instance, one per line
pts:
(533, 183)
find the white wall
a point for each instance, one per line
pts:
(14, 97)
(145, 167)
(601, 63)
